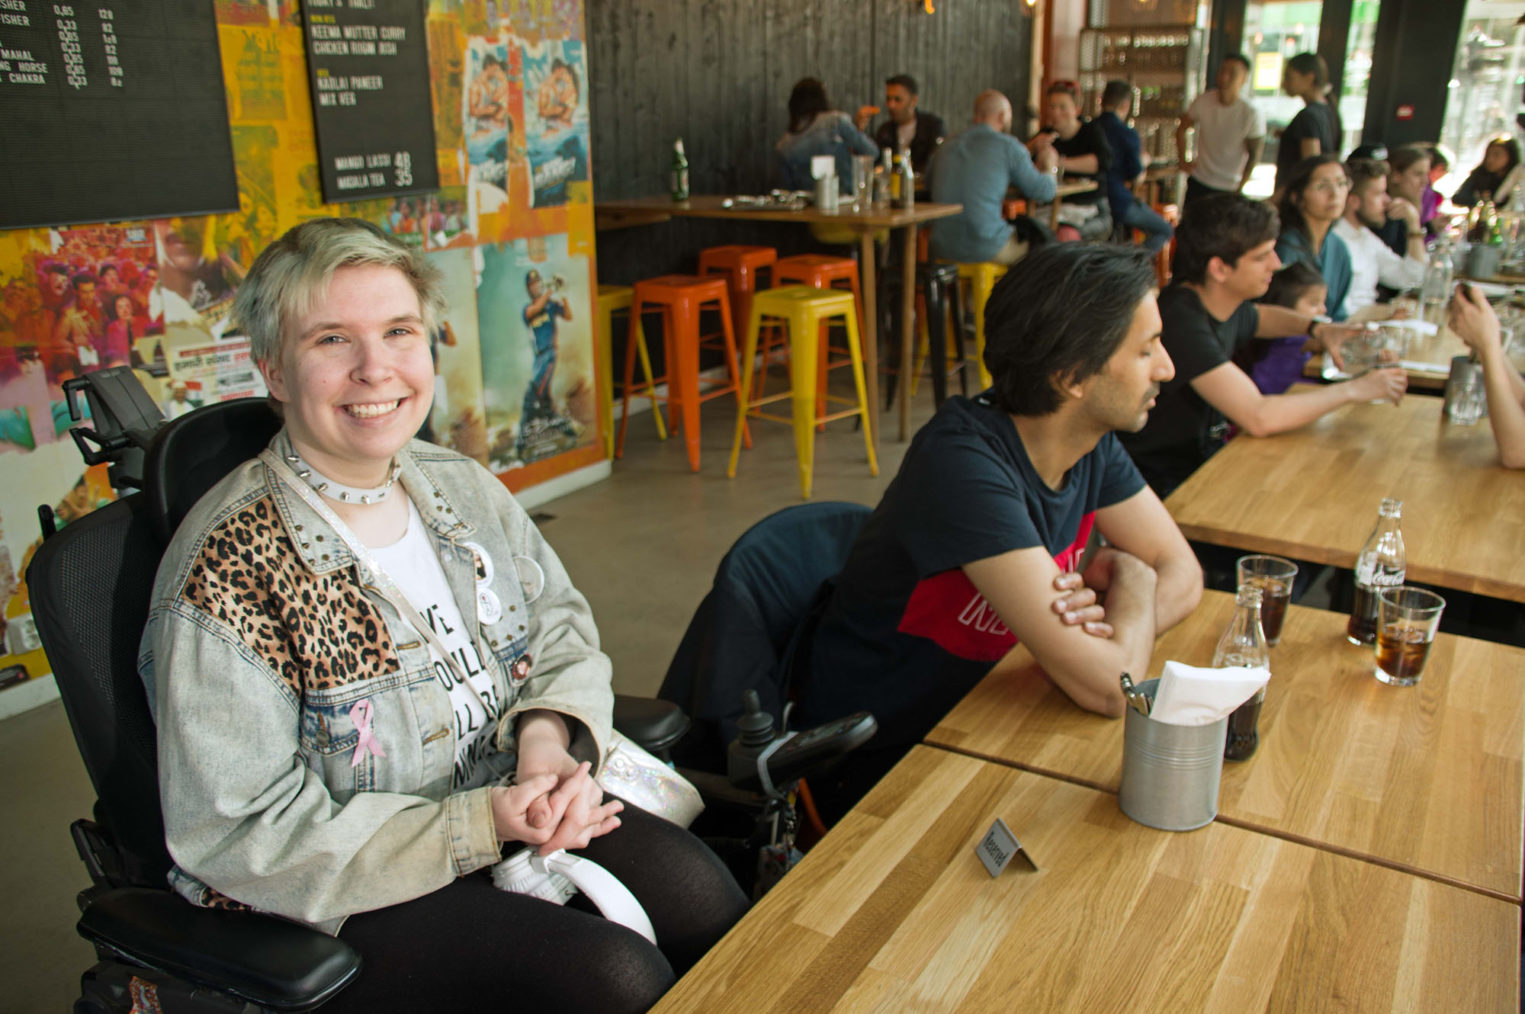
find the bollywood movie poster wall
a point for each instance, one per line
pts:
(510, 228)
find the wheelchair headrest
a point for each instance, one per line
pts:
(193, 453)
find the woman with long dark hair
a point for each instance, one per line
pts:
(1313, 200)
(1316, 129)
(815, 128)
(1495, 178)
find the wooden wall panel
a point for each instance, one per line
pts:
(718, 74)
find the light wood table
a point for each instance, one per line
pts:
(1313, 494)
(893, 912)
(649, 210)
(1426, 779)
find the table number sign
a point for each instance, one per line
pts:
(999, 847)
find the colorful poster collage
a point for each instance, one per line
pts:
(511, 228)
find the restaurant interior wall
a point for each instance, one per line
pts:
(717, 73)
(486, 228)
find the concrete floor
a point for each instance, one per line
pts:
(643, 546)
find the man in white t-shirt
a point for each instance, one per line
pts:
(1230, 134)
(1367, 209)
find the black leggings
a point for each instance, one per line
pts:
(470, 946)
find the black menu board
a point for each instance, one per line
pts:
(111, 110)
(368, 64)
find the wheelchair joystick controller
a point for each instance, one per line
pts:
(756, 735)
(761, 758)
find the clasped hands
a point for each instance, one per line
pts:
(556, 803)
(1082, 594)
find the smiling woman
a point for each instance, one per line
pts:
(358, 698)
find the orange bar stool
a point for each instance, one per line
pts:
(981, 278)
(741, 265)
(614, 299)
(803, 311)
(680, 299)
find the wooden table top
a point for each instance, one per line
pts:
(892, 912)
(647, 210)
(1427, 361)
(1313, 494)
(1426, 778)
(1072, 187)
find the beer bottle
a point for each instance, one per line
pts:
(895, 181)
(907, 182)
(1244, 644)
(1382, 564)
(679, 172)
(1495, 225)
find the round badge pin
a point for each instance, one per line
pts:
(531, 578)
(484, 568)
(489, 609)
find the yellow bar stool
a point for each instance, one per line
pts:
(981, 278)
(802, 310)
(612, 299)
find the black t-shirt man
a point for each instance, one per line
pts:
(1183, 430)
(905, 632)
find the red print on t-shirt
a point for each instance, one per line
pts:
(947, 609)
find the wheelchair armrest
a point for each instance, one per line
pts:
(259, 958)
(650, 723)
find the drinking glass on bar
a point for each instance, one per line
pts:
(1407, 618)
(1273, 575)
(863, 179)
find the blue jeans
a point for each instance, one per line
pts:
(1157, 231)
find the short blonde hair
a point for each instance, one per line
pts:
(292, 274)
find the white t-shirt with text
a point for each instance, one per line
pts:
(416, 571)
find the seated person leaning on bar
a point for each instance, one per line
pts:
(974, 168)
(815, 128)
(1225, 257)
(991, 512)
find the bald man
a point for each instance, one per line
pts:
(974, 168)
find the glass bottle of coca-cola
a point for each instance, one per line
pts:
(1244, 644)
(1382, 564)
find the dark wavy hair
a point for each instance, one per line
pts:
(1289, 284)
(1292, 219)
(1057, 317)
(1311, 63)
(806, 101)
(1225, 226)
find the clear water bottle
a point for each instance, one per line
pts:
(1244, 644)
(1383, 563)
(1436, 292)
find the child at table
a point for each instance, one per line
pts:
(1278, 364)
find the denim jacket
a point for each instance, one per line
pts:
(261, 641)
(831, 133)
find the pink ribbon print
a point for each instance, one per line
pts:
(361, 715)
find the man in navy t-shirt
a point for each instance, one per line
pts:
(977, 541)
